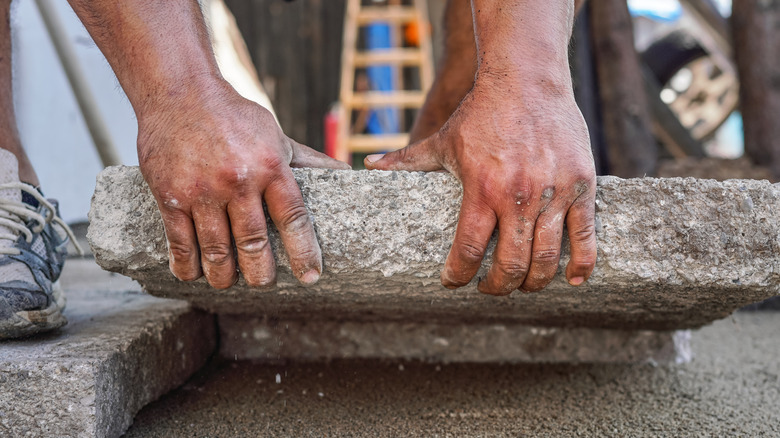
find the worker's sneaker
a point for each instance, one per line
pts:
(33, 246)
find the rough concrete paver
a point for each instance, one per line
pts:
(673, 253)
(121, 350)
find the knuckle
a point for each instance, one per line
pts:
(295, 219)
(272, 163)
(198, 193)
(401, 155)
(512, 268)
(548, 193)
(522, 188)
(404, 155)
(583, 233)
(216, 253)
(546, 255)
(181, 252)
(237, 176)
(253, 243)
(471, 253)
(521, 197)
(304, 255)
(584, 181)
(171, 202)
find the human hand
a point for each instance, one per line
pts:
(525, 163)
(210, 159)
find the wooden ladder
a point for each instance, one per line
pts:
(396, 15)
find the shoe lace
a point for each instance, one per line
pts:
(14, 216)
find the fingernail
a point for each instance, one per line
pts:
(373, 158)
(310, 277)
(576, 281)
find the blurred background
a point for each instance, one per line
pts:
(669, 88)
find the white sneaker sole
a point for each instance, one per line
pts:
(30, 322)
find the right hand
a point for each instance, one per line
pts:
(211, 158)
(523, 156)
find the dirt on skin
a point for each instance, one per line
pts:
(731, 388)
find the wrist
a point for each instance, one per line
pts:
(526, 82)
(181, 93)
(524, 44)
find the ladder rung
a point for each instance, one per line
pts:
(377, 143)
(389, 56)
(409, 99)
(392, 14)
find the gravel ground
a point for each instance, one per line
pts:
(731, 388)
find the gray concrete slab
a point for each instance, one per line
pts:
(732, 388)
(121, 350)
(673, 253)
(266, 339)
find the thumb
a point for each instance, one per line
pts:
(304, 156)
(422, 155)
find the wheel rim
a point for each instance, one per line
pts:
(702, 96)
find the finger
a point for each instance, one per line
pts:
(216, 248)
(546, 252)
(285, 205)
(475, 226)
(512, 256)
(183, 257)
(422, 155)
(255, 257)
(580, 221)
(304, 156)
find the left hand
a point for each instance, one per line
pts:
(523, 156)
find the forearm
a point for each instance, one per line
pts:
(524, 40)
(158, 49)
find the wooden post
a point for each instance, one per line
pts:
(631, 148)
(755, 25)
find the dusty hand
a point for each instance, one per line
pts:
(210, 161)
(525, 164)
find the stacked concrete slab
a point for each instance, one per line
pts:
(267, 339)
